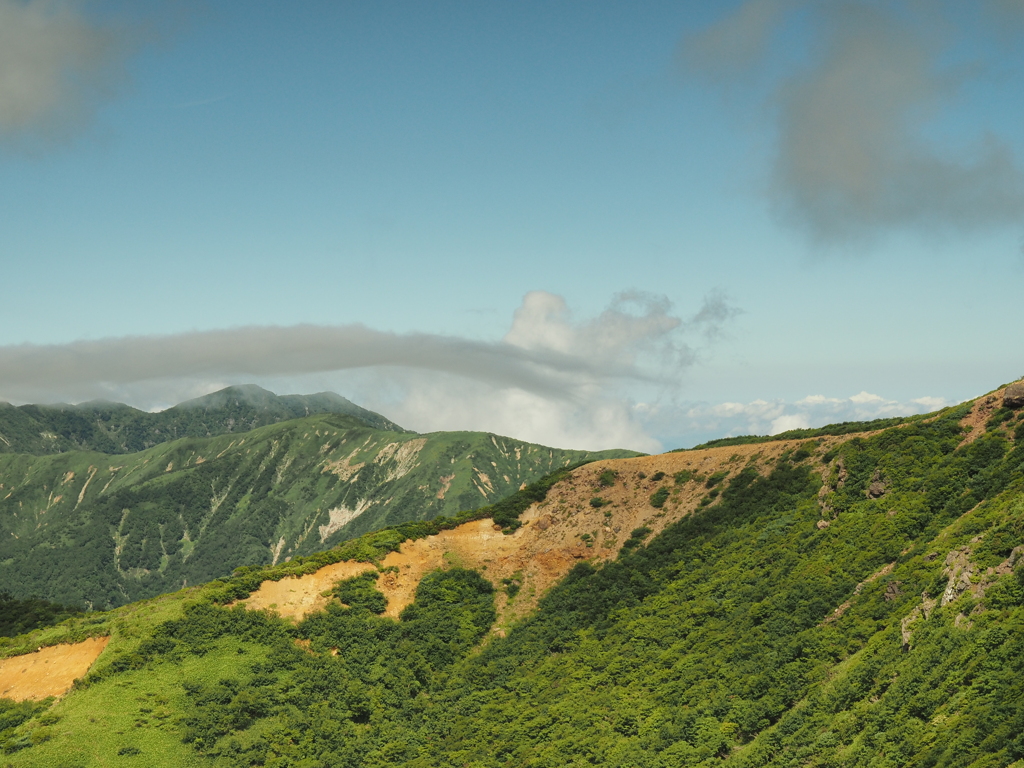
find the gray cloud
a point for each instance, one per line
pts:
(552, 379)
(714, 315)
(544, 352)
(273, 351)
(730, 47)
(851, 161)
(56, 68)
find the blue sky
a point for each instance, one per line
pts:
(797, 200)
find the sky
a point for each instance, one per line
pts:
(586, 224)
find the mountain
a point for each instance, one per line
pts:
(852, 599)
(115, 428)
(103, 530)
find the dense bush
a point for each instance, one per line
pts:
(659, 497)
(20, 616)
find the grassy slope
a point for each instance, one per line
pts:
(708, 646)
(105, 530)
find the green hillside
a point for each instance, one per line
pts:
(100, 530)
(115, 428)
(860, 602)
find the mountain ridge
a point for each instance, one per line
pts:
(101, 530)
(116, 428)
(852, 600)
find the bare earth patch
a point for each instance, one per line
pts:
(294, 598)
(561, 531)
(49, 671)
(981, 412)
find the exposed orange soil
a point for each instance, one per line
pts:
(550, 541)
(296, 597)
(981, 412)
(49, 671)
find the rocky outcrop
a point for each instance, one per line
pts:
(959, 569)
(1013, 395)
(878, 486)
(892, 591)
(832, 482)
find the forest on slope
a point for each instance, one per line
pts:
(115, 428)
(858, 603)
(101, 530)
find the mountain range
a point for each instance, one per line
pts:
(115, 428)
(841, 598)
(236, 478)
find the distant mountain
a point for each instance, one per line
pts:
(114, 428)
(91, 528)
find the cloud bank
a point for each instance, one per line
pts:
(851, 159)
(764, 417)
(56, 68)
(551, 379)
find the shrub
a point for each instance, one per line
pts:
(607, 478)
(715, 479)
(361, 592)
(513, 584)
(636, 538)
(659, 497)
(597, 502)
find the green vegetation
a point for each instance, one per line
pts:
(683, 476)
(842, 428)
(659, 497)
(361, 592)
(636, 538)
(795, 621)
(103, 530)
(12, 715)
(715, 479)
(607, 478)
(597, 502)
(513, 584)
(113, 428)
(20, 616)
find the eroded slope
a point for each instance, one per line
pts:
(104, 530)
(587, 517)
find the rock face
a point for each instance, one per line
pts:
(878, 486)
(1013, 395)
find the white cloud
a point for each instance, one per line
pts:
(817, 400)
(931, 403)
(867, 397)
(702, 421)
(592, 419)
(788, 422)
